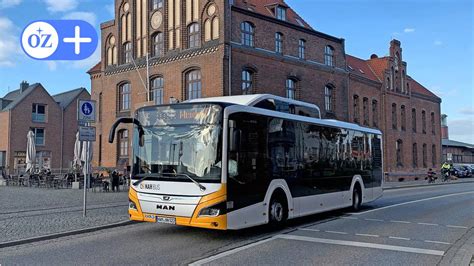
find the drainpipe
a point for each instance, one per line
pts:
(62, 140)
(230, 48)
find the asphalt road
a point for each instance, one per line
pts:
(412, 226)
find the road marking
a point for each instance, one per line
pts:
(309, 229)
(363, 244)
(230, 252)
(457, 226)
(399, 238)
(437, 242)
(400, 222)
(350, 218)
(374, 220)
(414, 201)
(428, 224)
(367, 235)
(336, 232)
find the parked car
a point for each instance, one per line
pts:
(458, 171)
(468, 171)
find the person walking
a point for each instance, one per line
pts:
(115, 181)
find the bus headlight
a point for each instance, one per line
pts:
(132, 205)
(213, 211)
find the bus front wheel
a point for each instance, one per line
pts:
(278, 211)
(356, 198)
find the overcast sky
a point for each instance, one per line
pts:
(436, 36)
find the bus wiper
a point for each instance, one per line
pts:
(201, 187)
(136, 183)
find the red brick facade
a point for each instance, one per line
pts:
(313, 64)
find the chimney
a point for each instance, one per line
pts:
(23, 86)
(444, 127)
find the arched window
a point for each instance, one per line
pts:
(356, 109)
(329, 98)
(207, 30)
(399, 149)
(247, 81)
(193, 84)
(123, 144)
(425, 156)
(155, 4)
(375, 113)
(365, 109)
(434, 157)
(302, 49)
(388, 83)
(291, 88)
(392, 74)
(156, 91)
(403, 117)
(158, 44)
(413, 120)
(124, 97)
(415, 155)
(215, 28)
(433, 123)
(394, 116)
(194, 36)
(278, 43)
(329, 55)
(247, 32)
(127, 52)
(423, 122)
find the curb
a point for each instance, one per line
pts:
(428, 185)
(63, 234)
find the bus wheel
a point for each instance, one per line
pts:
(356, 198)
(278, 212)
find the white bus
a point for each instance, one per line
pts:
(241, 161)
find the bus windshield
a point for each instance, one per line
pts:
(179, 142)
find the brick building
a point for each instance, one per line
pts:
(211, 48)
(53, 119)
(455, 151)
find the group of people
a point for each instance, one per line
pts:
(446, 171)
(113, 182)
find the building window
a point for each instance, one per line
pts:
(193, 85)
(388, 83)
(399, 149)
(100, 106)
(403, 117)
(158, 44)
(356, 109)
(375, 113)
(434, 157)
(156, 93)
(39, 113)
(124, 97)
(394, 117)
(328, 98)
(301, 48)
(247, 82)
(194, 36)
(425, 156)
(329, 55)
(247, 34)
(423, 122)
(111, 51)
(415, 155)
(365, 109)
(155, 4)
(413, 120)
(127, 52)
(281, 13)
(123, 143)
(39, 136)
(290, 88)
(433, 124)
(278, 43)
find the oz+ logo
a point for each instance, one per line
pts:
(59, 40)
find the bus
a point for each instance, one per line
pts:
(235, 162)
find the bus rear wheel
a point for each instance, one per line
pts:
(278, 211)
(356, 198)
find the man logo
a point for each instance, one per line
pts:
(165, 207)
(166, 198)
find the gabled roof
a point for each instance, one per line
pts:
(95, 68)
(16, 96)
(361, 68)
(66, 98)
(263, 7)
(453, 143)
(420, 89)
(379, 65)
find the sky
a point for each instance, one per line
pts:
(436, 36)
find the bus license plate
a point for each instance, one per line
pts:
(165, 220)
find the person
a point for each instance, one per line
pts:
(115, 180)
(446, 170)
(431, 176)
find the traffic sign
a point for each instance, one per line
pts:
(87, 134)
(86, 111)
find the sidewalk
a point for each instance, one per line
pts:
(32, 212)
(420, 183)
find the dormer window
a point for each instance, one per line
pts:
(280, 13)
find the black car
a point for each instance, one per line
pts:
(468, 171)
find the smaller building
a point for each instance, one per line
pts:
(53, 119)
(455, 151)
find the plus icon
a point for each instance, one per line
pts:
(77, 40)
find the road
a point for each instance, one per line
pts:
(411, 226)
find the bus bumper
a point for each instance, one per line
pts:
(209, 222)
